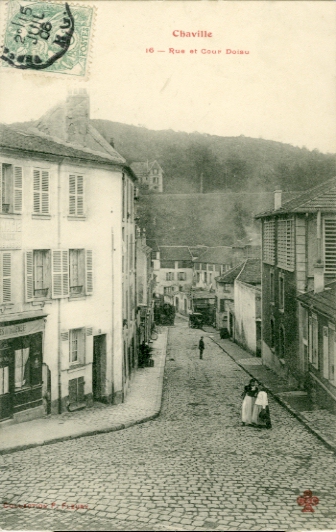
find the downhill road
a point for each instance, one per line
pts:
(193, 468)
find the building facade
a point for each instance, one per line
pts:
(149, 174)
(298, 254)
(67, 270)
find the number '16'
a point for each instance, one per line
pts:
(149, 50)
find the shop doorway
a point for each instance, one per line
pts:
(6, 381)
(99, 360)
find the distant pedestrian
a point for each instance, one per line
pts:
(261, 415)
(249, 396)
(201, 347)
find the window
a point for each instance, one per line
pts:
(314, 341)
(41, 274)
(198, 277)
(281, 342)
(205, 277)
(10, 188)
(76, 195)
(197, 266)
(76, 390)
(227, 287)
(210, 267)
(330, 247)
(170, 276)
(272, 334)
(210, 277)
(41, 191)
(281, 292)
(155, 180)
(155, 171)
(286, 244)
(272, 286)
(217, 268)
(77, 346)
(5, 277)
(77, 271)
(222, 305)
(181, 276)
(268, 242)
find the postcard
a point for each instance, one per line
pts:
(167, 265)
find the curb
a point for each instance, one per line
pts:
(105, 430)
(330, 445)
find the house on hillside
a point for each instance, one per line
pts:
(247, 306)
(149, 174)
(298, 256)
(67, 283)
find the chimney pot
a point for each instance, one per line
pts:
(277, 198)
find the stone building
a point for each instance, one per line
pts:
(149, 174)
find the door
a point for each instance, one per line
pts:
(99, 359)
(6, 380)
(258, 339)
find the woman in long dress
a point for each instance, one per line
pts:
(261, 415)
(249, 395)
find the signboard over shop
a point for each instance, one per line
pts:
(10, 233)
(21, 329)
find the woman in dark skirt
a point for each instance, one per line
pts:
(261, 415)
(249, 395)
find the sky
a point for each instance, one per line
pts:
(283, 90)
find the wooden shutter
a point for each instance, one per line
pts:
(6, 268)
(0, 187)
(73, 391)
(80, 195)
(36, 190)
(72, 194)
(17, 189)
(325, 352)
(89, 271)
(45, 192)
(80, 389)
(330, 247)
(60, 273)
(29, 269)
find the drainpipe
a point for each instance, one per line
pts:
(59, 351)
(112, 316)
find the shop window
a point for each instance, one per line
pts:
(10, 188)
(28, 361)
(76, 195)
(77, 346)
(77, 390)
(4, 380)
(40, 191)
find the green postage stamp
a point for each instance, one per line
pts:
(54, 37)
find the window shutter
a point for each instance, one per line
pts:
(6, 277)
(330, 247)
(81, 390)
(326, 352)
(89, 271)
(36, 190)
(0, 187)
(80, 194)
(45, 192)
(73, 391)
(65, 273)
(72, 194)
(17, 189)
(29, 268)
(60, 273)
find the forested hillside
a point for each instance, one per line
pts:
(227, 163)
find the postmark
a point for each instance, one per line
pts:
(46, 36)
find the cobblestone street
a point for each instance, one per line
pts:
(193, 468)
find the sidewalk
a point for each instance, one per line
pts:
(317, 420)
(142, 403)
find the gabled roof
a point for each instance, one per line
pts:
(142, 169)
(42, 145)
(215, 255)
(324, 302)
(175, 253)
(322, 197)
(230, 276)
(250, 272)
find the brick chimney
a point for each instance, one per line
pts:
(77, 116)
(277, 198)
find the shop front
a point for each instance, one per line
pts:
(21, 358)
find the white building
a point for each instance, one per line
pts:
(67, 298)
